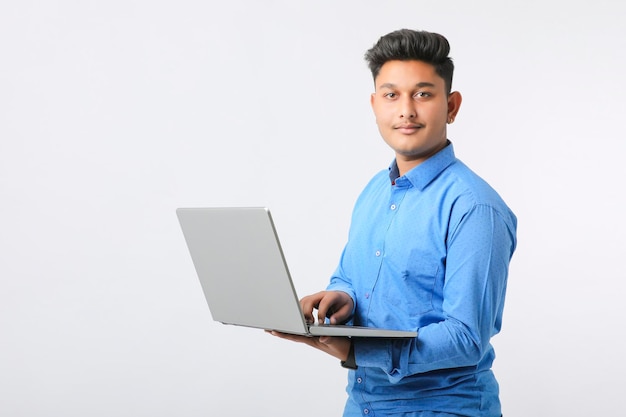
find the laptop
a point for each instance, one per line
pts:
(244, 276)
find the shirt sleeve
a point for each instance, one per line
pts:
(340, 282)
(479, 250)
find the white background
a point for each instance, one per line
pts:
(115, 113)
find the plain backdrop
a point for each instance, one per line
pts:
(114, 113)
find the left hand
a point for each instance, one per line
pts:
(339, 347)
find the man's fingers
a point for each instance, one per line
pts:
(337, 306)
(324, 309)
(308, 304)
(289, 336)
(342, 315)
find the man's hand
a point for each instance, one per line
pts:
(339, 347)
(336, 305)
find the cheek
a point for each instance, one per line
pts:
(382, 117)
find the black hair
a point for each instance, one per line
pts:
(413, 45)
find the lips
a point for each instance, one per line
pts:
(408, 128)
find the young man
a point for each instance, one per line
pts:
(428, 250)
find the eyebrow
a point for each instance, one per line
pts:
(420, 85)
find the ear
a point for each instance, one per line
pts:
(372, 98)
(454, 104)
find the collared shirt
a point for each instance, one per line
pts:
(427, 251)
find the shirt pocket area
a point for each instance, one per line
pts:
(418, 282)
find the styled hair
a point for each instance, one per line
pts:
(413, 45)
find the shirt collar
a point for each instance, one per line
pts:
(420, 176)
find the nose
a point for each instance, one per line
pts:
(407, 109)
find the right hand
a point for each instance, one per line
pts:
(336, 305)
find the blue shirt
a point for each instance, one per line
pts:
(427, 251)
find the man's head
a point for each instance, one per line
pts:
(412, 45)
(413, 100)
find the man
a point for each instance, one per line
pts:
(428, 250)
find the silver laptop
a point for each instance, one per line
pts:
(244, 275)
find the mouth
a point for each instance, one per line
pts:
(408, 128)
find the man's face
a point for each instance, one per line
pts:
(412, 108)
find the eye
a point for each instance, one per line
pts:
(389, 95)
(422, 94)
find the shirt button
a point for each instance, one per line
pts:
(366, 411)
(359, 380)
(377, 253)
(367, 295)
(393, 207)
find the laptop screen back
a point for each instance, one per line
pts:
(239, 262)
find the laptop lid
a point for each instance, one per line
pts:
(244, 276)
